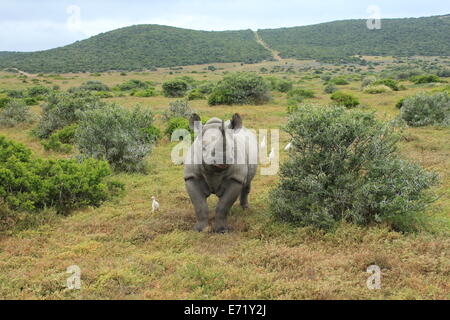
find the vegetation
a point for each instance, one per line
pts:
(122, 137)
(30, 183)
(342, 40)
(177, 109)
(14, 113)
(240, 88)
(425, 110)
(175, 88)
(421, 79)
(142, 47)
(345, 99)
(349, 172)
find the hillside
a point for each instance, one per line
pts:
(148, 46)
(428, 36)
(142, 47)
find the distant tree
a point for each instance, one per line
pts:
(175, 88)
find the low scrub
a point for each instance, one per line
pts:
(351, 171)
(177, 109)
(120, 136)
(426, 110)
(240, 88)
(345, 99)
(175, 88)
(377, 89)
(15, 112)
(31, 184)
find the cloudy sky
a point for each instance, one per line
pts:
(29, 25)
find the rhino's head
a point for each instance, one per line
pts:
(216, 139)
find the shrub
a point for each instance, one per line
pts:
(38, 92)
(31, 101)
(195, 94)
(16, 94)
(206, 87)
(376, 89)
(399, 104)
(350, 171)
(31, 184)
(339, 81)
(280, 85)
(392, 84)
(425, 110)
(345, 99)
(431, 78)
(177, 109)
(94, 85)
(176, 123)
(120, 136)
(132, 84)
(175, 88)
(61, 140)
(15, 112)
(240, 88)
(367, 81)
(331, 88)
(62, 109)
(4, 99)
(150, 92)
(299, 94)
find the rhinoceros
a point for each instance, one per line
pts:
(221, 161)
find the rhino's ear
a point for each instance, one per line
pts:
(194, 118)
(236, 122)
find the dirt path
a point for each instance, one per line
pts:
(275, 53)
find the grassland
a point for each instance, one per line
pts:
(125, 252)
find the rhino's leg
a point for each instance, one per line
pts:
(244, 196)
(198, 195)
(231, 192)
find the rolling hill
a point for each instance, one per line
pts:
(428, 36)
(142, 47)
(147, 46)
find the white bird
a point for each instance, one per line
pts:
(288, 147)
(155, 204)
(263, 143)
(272, 155)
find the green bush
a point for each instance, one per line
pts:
(177, 109)
(61, 140)
(351, 171)
(31, 101)
(132, 84)
(176, 123)
(399, 104)
(195, 94)
(38, 92)
(94, 85)
(15, 112)
(368, 81)
(175, 88)
(339, 81)
(280, 85)
(117, 135)
(150, 92)
(426, 110)
(389, 83)
(62, 109)
(31, 184)
(430, 78)
(376, 89)
(4, 99)
(240, 88)
(331, 88)
(345, 99)
(299, 94)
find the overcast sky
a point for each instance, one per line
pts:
(29, 25)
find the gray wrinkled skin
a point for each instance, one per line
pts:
(208, 176)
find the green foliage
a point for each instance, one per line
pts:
(94, 85)
(351, 171)
(299, 94)
(30, 101)
(61, 140)
(175, 88)
(240, 88)
(150, 92)
(38, 91)
(399, 104)
(345, 99)
(339, 81)
(389, 83)
(14, 113)
(177, 109)
(340, 41)
(331, 88)
(117, 135)
(176, 123)
(31, 184)
(142, 47)
(132, 84)
(4, 99)
(376, 89)
(430, 78)
(426, 110)
(280, 85)
(62, 109)
(195, 94)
